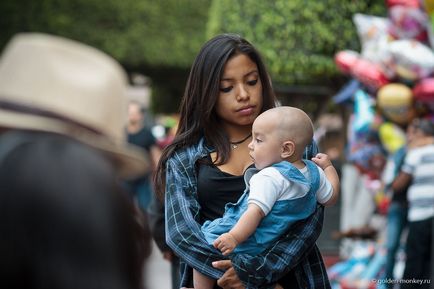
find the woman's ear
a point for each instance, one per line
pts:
(288, 149)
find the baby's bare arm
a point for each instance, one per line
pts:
(242, 230)
(324, 162)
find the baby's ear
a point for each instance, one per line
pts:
(288, 149)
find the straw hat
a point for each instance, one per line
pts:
(53, 84)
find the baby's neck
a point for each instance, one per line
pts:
(299, 164)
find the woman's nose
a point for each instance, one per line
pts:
(242, 93)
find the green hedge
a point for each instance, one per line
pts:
(137, 33)
(297, 38)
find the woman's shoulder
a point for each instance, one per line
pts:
(190, 153)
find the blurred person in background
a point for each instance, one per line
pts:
(139, 134)
(64, 221)
(398, 207)
(417, 173)
(202, 170)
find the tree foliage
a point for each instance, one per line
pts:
(297, 38)
(157, 38)
(160, 39)
(137, 33)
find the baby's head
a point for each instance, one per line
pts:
(280, 133)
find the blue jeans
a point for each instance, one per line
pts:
(396, 221)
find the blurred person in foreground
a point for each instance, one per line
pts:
(64, 221)
(417, 172)
(141, 135)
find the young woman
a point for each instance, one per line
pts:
(202, 171)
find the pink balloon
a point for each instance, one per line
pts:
(370, 74)
(407, 3)
(424, 90)
(346, 59)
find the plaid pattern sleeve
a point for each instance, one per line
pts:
(295, 251)
(183, 231)
(310, 150)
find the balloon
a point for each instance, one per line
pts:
(395, 100)
(346, 59)
(363, 111)
(429, 9)
(373, 35)
(370, 74)
(411, 59)
(392, 137)
(424, 90)
(424, 93)
(407, 3)
(408, 23)
(346, 93)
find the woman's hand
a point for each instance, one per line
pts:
(229, 280)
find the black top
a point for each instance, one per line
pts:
(145, 140)
(215, 189)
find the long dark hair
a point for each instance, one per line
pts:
(197, 110)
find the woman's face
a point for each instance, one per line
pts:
(240, 98)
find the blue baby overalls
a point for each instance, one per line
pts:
(283, 214)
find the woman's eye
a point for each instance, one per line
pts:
(252, 82)
(225, 89)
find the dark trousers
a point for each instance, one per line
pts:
(418, 254)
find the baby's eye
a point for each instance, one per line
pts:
(258, 140)
(252, 82)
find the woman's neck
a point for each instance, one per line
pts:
(238, 133)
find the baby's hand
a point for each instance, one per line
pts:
(322, 160)
(226, 243)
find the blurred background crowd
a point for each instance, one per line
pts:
(363, 71)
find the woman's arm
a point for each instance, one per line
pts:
(264, 270)
(183, 232)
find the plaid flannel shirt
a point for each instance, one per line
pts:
(295, 251)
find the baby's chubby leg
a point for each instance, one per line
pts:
(201, 281)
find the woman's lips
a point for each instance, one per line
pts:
(246, 110)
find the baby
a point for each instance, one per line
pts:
(282, 190)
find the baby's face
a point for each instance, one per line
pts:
(266, 145)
